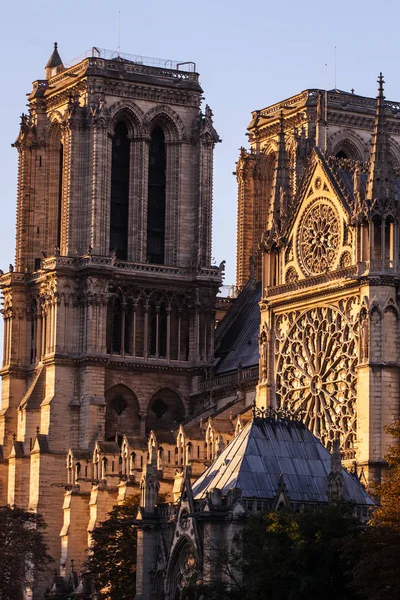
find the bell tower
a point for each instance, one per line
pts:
(109, 310)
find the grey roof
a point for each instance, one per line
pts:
(35, 394)
(240, 342)
(108, 447)
(55, 59)
(138, 442)
(193, 433)
(166, 436)
(264, 450)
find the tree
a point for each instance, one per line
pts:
(23, 551)
(112, 557)
(288, 556)
(376, 573)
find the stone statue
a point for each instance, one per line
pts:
(364, 338)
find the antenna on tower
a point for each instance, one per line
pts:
(119, 33)
(326, 108)
(335, 69)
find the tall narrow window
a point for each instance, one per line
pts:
(60, 190)
(120, 192)
(156, 198)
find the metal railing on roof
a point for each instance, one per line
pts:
(137, 59)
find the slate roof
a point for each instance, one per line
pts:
(137, 441)
(55, 59)
(343, 172)
(166, 436)
(108, 447)
(264, 450)
(193, 433)
(222, 425)
(240, 342)
(35, 394)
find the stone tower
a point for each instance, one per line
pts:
(109, 309)
(339, 123)
(330, 269)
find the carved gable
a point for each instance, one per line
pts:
(319, 238)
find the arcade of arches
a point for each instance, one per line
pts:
(123, 416)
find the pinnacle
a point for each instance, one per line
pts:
(380, 175)
(380, 89)
(55, 59)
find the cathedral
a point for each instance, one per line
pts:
(125, 372)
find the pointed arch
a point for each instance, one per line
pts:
(165, 117)
(122, 412)
(182, 567)
(348, 144)
(131, 114)
(55, 184)
(156, 196)
(166, 410)
(120, 180)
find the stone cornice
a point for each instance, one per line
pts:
(13, 372)
(300, 296)
(340, 277)
(106, 266)
(115, 362)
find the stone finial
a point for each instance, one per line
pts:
(54, 64)
(380, 184)
(335, 477)
(281, 187)
(150, 484)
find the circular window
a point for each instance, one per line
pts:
(317, 372)
(319, 238)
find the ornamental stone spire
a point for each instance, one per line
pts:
(54, 64)
(280, 190)
(380, 175)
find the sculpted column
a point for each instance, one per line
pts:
(100, 181)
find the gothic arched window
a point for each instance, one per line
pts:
(120, 191)
(122, 413)
(156, 198)
(60, 189)
(55, 192)
(166, 411)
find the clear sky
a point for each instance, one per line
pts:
(248, 54)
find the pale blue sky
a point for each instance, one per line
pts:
(248, 54)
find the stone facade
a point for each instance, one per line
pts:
(115, 380)
(339, 123)
(109, 310)
(329, 314)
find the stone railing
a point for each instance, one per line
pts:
(136, 63)
(12, 277)
(311, 281)
(334, 97)
(89, 260)
(237, 377)
(166, 510)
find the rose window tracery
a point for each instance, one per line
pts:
(319, 238)
(316, 370)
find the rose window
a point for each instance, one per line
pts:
(316, 373)
(319, 238)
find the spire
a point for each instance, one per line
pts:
(280, 193)
(380, 174)
(150, 484)
(53, 63)
(335, 477)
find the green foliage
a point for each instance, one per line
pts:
(112, 557)
(22, 550)
(288, 556)
(377, 574)
(291, 556)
